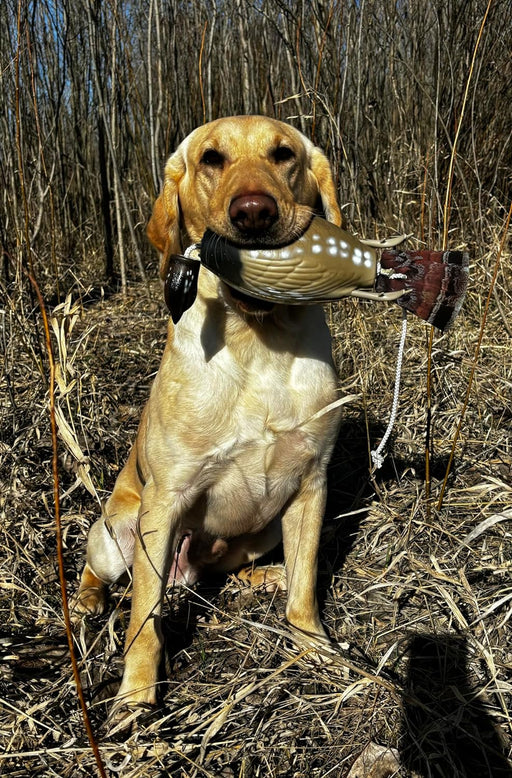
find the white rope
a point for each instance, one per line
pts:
(192, 252)
(376, 454)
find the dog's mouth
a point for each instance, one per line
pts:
(248, 304)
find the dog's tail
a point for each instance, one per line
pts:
(435, 281)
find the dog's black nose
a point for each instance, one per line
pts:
(253, 212)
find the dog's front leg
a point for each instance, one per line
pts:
(302, 523)
(156, 531)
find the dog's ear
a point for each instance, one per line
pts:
(163, 229)
(322, 173)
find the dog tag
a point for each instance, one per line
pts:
(180, 286)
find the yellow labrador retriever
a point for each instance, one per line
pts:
(231, 452)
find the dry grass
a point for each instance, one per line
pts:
(419, 600)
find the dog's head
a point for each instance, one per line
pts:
(252, 179)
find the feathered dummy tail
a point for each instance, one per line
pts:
(435, 281)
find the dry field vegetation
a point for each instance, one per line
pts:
(415, 590)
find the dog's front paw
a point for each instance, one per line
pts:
(306, 639)
(318, 648)
(125, 717)
(130, 707)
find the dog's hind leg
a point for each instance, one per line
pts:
(110, 542)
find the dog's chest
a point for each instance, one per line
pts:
(265, 443)
(254, 478)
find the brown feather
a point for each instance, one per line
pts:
(437, 281)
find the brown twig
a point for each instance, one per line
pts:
(453, 155)
(423, 199)
(200, 66)
(58, 531)
(428, 423)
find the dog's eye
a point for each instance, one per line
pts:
(283, 154)
(212, 158)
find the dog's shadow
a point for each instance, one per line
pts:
(351, 487)
(447, 729)
(349, 490)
